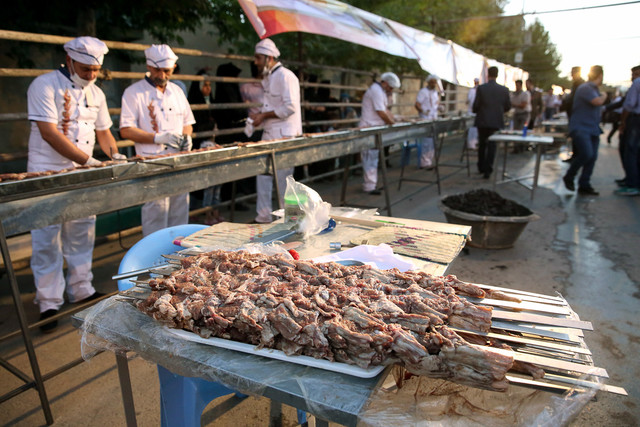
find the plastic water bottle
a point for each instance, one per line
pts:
(524, 130)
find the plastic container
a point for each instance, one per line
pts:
(293, 212)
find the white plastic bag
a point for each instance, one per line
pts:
(304, 208)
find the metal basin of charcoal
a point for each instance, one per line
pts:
(489, 232)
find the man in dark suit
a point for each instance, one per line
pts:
(492, 101)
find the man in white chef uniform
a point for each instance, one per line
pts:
(472, 133)
(67, 112)
(375, 112)
(428, 104)
(280, 116)
(157, 117)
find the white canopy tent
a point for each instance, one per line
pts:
(449, 61)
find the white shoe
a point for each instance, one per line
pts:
(263, 220)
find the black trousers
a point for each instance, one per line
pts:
(486, 150)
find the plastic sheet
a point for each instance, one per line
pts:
(116, 326)
(431, 402)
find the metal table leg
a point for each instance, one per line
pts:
(504, 160)
(345, 179)
(24, 326)
(275, 414)
(536, 172)
(274, 167)
(383, 166)
(125, 388)
(495, 163)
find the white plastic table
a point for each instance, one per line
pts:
(538, 141)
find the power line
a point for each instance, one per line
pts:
(581, 8)
(520, 15)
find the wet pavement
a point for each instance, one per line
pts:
(583, 247)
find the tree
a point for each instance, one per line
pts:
(541, 58)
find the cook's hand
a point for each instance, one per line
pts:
(92, 162)
(168, 138)
(119, 157)
(187, 143)
(257, 118)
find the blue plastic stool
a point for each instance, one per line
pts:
(406, 151)
(148, 251)
(182, 399)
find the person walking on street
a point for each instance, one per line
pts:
(521, 103)
(491, 103)
(614, 113)
(630, 136)
(584, 129)
(567, 103)
(536, 104)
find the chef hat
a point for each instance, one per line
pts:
(267, 47)
(391, 79)
(86, 50)
(160, 56)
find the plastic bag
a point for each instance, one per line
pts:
(304, 208)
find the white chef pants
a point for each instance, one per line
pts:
(264, 190)
(427, 152)
(370, 169)
(73, 241)
(472, 138)
(164, 213)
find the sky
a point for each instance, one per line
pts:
(604, 36)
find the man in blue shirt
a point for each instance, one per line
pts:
(585, 131)
(630, 136)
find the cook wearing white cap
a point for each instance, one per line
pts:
(280, 116)
(472, 132)
(375, 112)
(67, 113)
(157, 117)
(428, 104)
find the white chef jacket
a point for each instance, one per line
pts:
(147, 108)
(282, 96)
(252, 92)
(471, 97)
(76, 112)
(429, 101)
(374, 99)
